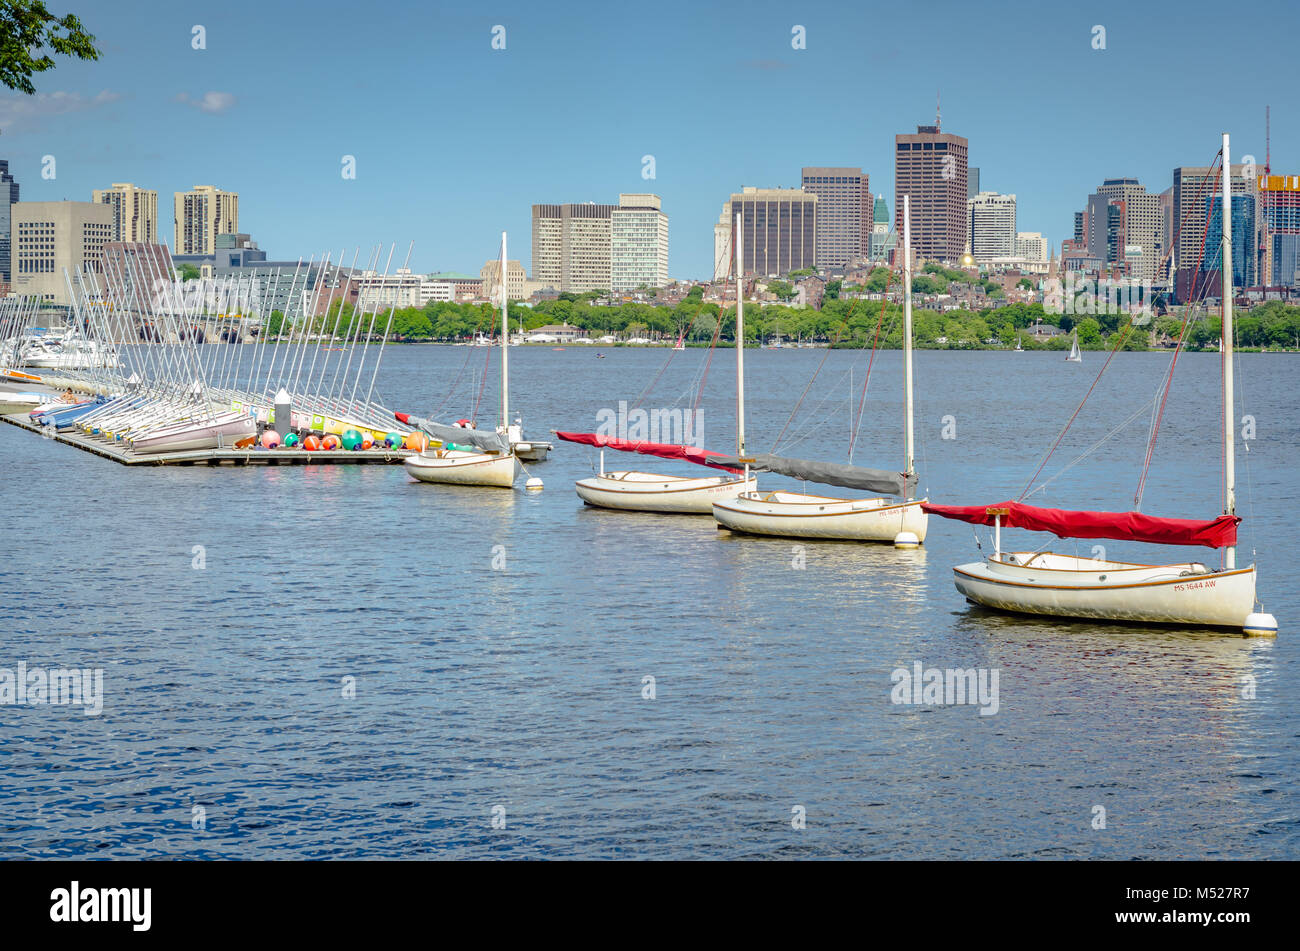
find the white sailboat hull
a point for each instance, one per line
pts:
(21, 402)
(649, 492)
(796, 515)
(189, 437)
(1069, 587)
(457, 467)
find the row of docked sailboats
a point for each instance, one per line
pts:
(176, 394)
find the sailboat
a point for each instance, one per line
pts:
(1019, 349)
(1075, 356)
(1187, 593)
(490, 462)
(680, 495)
(800, 515)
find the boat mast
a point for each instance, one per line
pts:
(505, 349)
(740, 342)
(1230, 479)
(907, 342)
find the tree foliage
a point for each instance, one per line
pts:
(845, 323)
(29, 34)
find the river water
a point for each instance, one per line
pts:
(354, 665)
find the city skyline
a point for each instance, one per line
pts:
(452, 186)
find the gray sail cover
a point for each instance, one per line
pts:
(826, 473)
(484, 439)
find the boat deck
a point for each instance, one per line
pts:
(100, 446)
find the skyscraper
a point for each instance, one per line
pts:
(571, 245)
(135, 211)
(1193, 185)
(930, 166)
(993, 226)
(1243, 239)
(779, 227)
(1279, 211)
(844, 213)
(200, 215)
(585, 247)
(638, 252)
(8, 198)
(1123, 228)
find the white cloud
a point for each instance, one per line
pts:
(212, 102)
(17, 111)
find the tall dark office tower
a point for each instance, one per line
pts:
(930, 166)
(844, 209)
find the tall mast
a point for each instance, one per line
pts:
(740, 341)
(908, 462)
(1230, 477)
(505, 343)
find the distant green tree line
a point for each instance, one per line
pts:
(845, 323)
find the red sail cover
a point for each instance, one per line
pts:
(663, 450)
(1125, 526)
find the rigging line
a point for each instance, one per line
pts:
(815, 422)
(646, 391)
(1225, 281)
(1163, 394)
(713, 347)
(433, 414)
(717, 329)
(1118, 346)
(1110, 356)
(857, 422)
(1250, 478)
(834, 340)
(1091, 449)
(813, 428)
(469, 355)
(487, 362)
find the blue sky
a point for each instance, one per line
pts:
(454, 141)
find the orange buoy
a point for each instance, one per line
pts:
(415, 441)
(311, 444)
(366, 442)
(330, 442)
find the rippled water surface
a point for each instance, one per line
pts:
(520, 686)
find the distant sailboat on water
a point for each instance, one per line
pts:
(1075, 356)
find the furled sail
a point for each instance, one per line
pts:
(1124, 526)
(827, 473)
(701, 457)
(483, 439)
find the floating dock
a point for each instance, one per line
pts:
(109, 449)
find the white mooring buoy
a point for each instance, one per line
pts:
(533, 485)
(1260, 625)
(906, 540)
